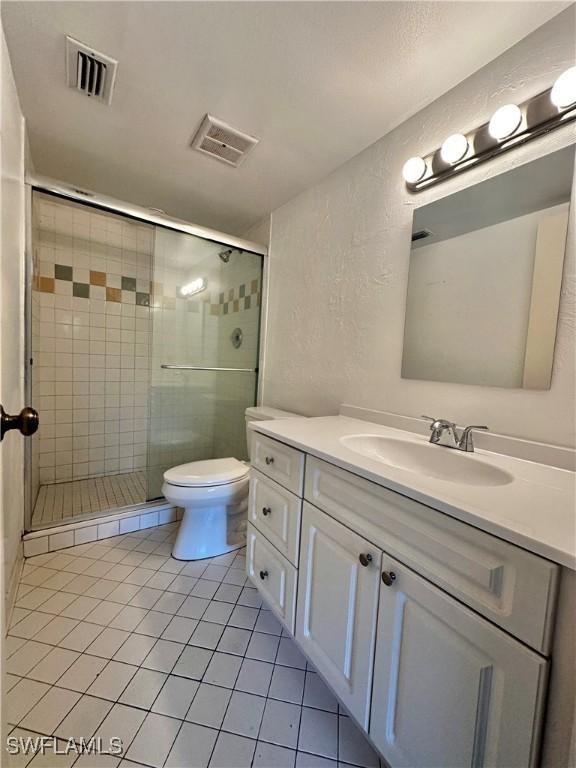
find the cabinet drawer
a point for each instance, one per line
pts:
(278, 461)
(273, 575)
(276, 513)
(513, 588)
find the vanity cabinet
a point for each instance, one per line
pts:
(432, 633)
(338, 586)
(450, 689)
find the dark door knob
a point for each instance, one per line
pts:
(269, 460)
(365, 560)
(26, 421)
(388, 577)
(263, 575)
(266, 511)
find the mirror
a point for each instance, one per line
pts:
(485, 279)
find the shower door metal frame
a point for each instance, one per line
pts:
(96, 200)
(103, 202)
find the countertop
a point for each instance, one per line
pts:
(536, 511)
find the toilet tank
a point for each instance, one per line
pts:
(263, 413)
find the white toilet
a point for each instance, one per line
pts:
(214, 495)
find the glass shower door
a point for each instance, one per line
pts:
(205, 308)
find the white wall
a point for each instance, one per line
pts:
(340, 255)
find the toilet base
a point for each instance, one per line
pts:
(208, 533)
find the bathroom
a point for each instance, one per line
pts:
(226, 328)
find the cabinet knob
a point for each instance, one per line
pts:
(263, 575)
(388, 577)
(266, 511)
(269, 460)
(365, 560)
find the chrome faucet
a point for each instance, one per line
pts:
(446, 433)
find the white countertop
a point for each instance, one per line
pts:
(537, 510)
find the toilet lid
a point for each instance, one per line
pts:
(212, 472)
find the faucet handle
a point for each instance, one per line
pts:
(466, 443)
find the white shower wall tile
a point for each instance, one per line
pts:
(76, 299)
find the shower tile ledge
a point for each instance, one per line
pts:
(98, 528)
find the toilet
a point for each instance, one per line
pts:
(214, 496)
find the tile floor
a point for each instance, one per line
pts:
(58, 502)
(179, 660)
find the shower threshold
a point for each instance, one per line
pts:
(61, 503)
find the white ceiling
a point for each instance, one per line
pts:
(317, 82)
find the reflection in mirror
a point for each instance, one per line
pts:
(485, 279)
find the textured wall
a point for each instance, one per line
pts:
(339, 266)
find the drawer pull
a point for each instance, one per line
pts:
(266, 511)
(388, 577)
(365, 560)
(263, 575)
(269, 460)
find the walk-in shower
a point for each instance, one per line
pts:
(143, 341)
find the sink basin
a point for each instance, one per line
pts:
(426, 459)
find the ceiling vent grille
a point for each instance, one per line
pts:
(223, 142)
(89, 71)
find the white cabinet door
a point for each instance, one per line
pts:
(337, 607)
(450, 689)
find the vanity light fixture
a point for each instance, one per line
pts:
(563, 92)
(509, 126)
(505, 121)
(414, 169)
(454, 148)
(193, 287)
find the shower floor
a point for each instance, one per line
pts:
(58, 502)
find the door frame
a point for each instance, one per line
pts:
(28, 362)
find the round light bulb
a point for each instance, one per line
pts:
(564, 89)
(504, 121)
(413, 170)
(454, 148)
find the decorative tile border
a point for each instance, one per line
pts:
(100, 286)
(97, 528)
(126, 291)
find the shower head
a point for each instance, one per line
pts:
(225, 255)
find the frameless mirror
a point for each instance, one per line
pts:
(485, 279)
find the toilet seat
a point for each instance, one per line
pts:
(213, 472)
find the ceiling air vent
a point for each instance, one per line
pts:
(89, 71)
(223, 142)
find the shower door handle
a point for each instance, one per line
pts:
(26, 421)
(205, 368)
